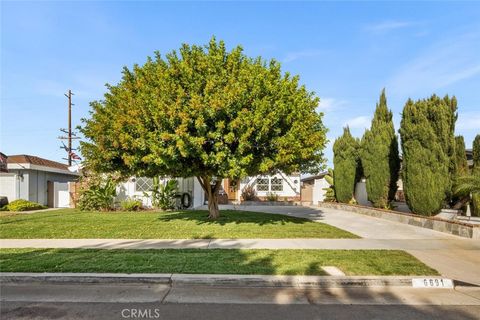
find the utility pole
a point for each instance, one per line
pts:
(69, 96)
(70, 135)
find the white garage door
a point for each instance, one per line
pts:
(7, 186)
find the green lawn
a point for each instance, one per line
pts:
(213, 261)
(73, 224)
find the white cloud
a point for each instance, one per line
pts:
(330, 104)
(386, 26)
(292, 56)
(468, 121)
(361, 122)
(443, 64)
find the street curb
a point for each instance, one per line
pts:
(212, 280)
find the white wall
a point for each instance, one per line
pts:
(8, 186)
(318, 194)
(61, 196)
(361, 193)
(291, 185)
(190, 185)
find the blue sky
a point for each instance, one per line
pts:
(344, 51)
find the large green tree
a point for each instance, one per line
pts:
(428, 153)
(379, 156)
(346, 162)
(206, 112)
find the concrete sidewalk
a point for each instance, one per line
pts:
(329, 244)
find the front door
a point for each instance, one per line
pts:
(231, 187)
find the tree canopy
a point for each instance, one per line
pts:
(206, 112)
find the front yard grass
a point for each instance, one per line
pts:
(213, 261)
(74, 224)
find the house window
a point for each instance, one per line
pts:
(276, 184)
(262, 184)
(143, 184)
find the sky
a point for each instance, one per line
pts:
(345, 52)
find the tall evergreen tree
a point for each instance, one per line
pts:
(461, 164)
(379, 156)
(428, 145)
(476, 154)
(476, 171)
(346, 163)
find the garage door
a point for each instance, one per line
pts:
(7, 186)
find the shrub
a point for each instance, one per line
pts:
(346, 162)
(24, 205)
(163, 195)
(272, 196)
(131, 204)
(249, 193)
(427, 139)
(330, 191)
(97, 193)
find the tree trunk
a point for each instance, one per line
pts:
(212, 196)
(460, 203)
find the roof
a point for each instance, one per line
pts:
(24, 158)
(315, 177)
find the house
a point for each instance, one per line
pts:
(286, 187)
(36, 179)
(312, 189)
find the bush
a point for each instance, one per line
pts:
(427, 138)
(249, 193)
(98, 193)
(24, 205)
(131, 204)
(347, 166)
(272, 196)
(163, 195)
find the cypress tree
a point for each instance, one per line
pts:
(428, 157)
(346, 163)
(379, 156)
(476, 154)
(476, 170)
(461, 164)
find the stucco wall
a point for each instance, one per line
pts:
(190, 185)
(290, 184)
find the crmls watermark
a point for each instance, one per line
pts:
(140, 313)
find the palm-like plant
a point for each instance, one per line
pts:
(467, 185)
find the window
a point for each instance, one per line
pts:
(262, 184)
(143, 184)
(276, 184)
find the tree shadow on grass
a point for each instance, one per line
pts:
(232, 216)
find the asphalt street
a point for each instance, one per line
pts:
(135, 301)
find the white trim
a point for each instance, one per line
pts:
(29, 166)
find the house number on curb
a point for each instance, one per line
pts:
(432, 283)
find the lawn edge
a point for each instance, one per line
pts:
(216, 280)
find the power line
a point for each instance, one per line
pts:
(70, 135)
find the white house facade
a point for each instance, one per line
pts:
(286, 187)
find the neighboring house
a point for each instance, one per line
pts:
(287, 187)
(313, 187)
(36, 179)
